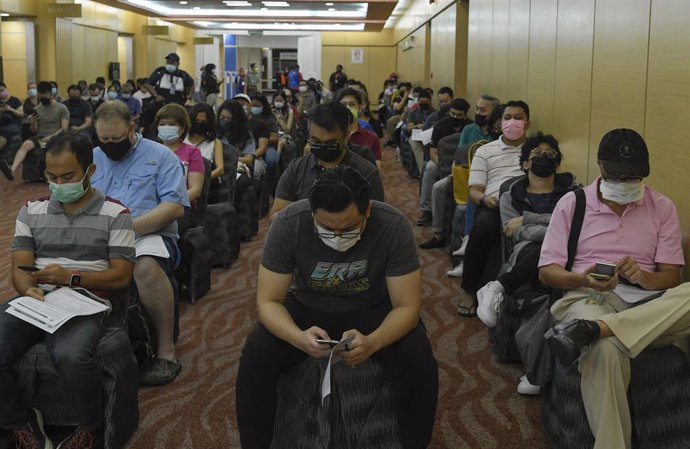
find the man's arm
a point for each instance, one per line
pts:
(271, 290)
(278, 205)
(262, 147)
(406, 297)
(116, 277)
(158, 218)
(21, 280)
(88, 121)
(64, 125)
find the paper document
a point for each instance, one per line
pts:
(58, 307)
(151, 245)
(344, 345)
(422, 136)
(633, 295)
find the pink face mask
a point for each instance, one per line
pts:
(513, 129)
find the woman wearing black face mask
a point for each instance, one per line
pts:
(203, 135)
(526, 209)
(232, 128)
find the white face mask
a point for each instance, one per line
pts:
(302, 89)
(621, 192)
(337, 242)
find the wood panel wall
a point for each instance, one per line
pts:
(589, 66)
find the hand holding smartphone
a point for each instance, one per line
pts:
(603, 271)
(330, 343)
(27, 268)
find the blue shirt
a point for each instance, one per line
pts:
(149, 175)
(473, 133)
(364, 124)
(133, 104)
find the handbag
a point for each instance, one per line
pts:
(535, 353)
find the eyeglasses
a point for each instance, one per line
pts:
(348, 235)
(615, 180)
(549, 152)
(331, 145)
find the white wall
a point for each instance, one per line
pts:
(309, 56)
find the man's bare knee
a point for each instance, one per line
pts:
(147, 271)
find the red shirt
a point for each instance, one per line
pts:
(368, 139)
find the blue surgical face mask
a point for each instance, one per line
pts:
(126, 96)
(69, 192)
(257, 110)
(53, 91)
(112, 95)
(170, 68)
(33, 92)
(168, 134)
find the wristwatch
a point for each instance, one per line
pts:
(75, 279)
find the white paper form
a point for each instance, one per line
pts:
(633, 295)
(344, 345)
(58, 307)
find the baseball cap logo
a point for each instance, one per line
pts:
(625, 150)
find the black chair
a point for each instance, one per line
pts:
(43, 388)
(447, 148)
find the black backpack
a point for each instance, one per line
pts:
(141, 331)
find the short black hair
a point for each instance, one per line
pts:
(94, 86)
(349, 91)
(331, 116)
(446, 90)
(424, 94)
(460, 104)
(2, 84)
(337, 188)
(496, 115)
(77, 143)
(100, 80)
(44, 87)
(533, 142)
(518, 104)
(74, 87)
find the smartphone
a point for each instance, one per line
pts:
(603, 271)
(27, 269)
(330, 343)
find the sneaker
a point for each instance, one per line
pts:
(526, 388)
(433, 242)
(457, 271)
(490, 298)
(6, 170)
(461, 251)
(32, 435)
(425, 219)
(161, 372)
(79, 439)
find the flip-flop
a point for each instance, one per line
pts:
(467, 312)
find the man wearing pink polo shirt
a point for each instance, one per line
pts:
(636, 228)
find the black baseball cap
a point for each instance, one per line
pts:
(623, 152)
(172, 57)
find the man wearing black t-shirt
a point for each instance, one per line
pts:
(352, 267)
(261, 134)
(11, 115)
(169, 84)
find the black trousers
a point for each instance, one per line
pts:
(484, 238)
(409, 362)
(526, 269)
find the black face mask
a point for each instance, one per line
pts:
(227, 126)
(74, 101)
(543, 166)
(200, 129)
(115, 150)
(480, 120)
(44, 101)
(455, 121)
(326, 153)
(423, 106)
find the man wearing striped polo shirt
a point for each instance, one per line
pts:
(492, 165)
(76, 237)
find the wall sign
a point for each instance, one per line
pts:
(357, 55)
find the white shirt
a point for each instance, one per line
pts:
(493, 164)
(139, 95)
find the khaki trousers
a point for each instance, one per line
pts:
(418, 150)
(605, 368)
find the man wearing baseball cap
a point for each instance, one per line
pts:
(635, 229)
(169, 84)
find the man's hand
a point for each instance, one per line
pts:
(490, 201)
(628, 268)
(307, 342)
(360, 350)
(160, 99)
(35, 293)
(53, 274)
(600, 286)
(512, 225)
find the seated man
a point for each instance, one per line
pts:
(76, 237)
(415, 120)
(636, 228)
(50, 118)
(80, 111)
(95, 96)
(493, 164)
(149, 179)
(328, 130)
(356, 274)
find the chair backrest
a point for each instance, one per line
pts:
(226, 189)
(202, 202)
(446, 153)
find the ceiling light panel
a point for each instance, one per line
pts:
(277, 4)
(243, 8)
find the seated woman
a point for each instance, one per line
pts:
(173, 124)
(283, 113)
(203, 134)
(526, 209)
(261, 110)
(232, 127)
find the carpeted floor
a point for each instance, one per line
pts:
(478, 406)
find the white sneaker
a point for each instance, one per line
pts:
(457, 271)
(526, 388)
(461, 251)
(489, 299)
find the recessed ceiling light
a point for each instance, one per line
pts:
(183, 2)
(197, 7)
(331, 9)
(264, 9)
(336, 24)
(277, 4)
(4, 14)
(237, 3)
(329, 4)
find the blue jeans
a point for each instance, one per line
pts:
(272, 158)
(72, 351)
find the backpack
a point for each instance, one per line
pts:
(141, 331)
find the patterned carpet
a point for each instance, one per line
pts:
(478, 406)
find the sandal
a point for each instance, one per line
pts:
(467, 311)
